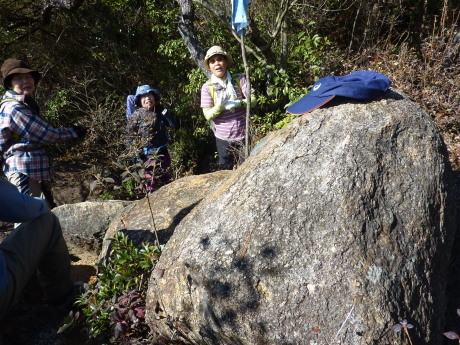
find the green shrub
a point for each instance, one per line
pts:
(113, 309)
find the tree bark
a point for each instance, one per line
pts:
(187, 30)
(67, 4)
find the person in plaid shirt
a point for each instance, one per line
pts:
(23, 132)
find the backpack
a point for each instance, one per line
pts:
(131, 108)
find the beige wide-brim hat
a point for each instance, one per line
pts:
(12, 66)
(216, 50)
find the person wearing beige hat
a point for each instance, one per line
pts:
(23, 132)
(223, 100)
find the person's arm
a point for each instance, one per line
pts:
(243, 102)
(210, 110)
(3, 273)
(24, 122)
(172, 120)
(17, 207)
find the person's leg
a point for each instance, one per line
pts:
(26, 185)
(165, 175)
(159, 164)
(47, 193)
(225, 156)
(36, 245)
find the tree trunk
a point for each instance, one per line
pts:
(67, 4)
(417, 21)
(187, 30)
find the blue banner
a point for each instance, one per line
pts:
(239, 16)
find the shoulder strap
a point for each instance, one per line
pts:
(3, 101)
(212, 89)
(236, 81)
(7, 100)
(15, 136)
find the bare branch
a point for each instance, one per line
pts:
(210, 7)
(258, 55)
(286, 5)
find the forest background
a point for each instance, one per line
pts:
(93, 53)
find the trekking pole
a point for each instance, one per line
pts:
(239, 22)
(248, 97)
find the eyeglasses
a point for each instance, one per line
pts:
(216, 59)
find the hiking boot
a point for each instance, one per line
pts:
(68, 300)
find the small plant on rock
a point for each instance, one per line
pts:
(128, 315)
(405, 326)
(453, 335)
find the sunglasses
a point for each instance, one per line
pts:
(217, 59)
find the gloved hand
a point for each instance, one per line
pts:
(231, 105)
(222, 98)
(80, 130)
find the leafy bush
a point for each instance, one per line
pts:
(113, 308)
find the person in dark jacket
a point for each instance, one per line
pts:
(148, 133)
(37, 246)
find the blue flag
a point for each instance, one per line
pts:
(239, 16)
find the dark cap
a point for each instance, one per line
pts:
(364, 85)
(13, 66)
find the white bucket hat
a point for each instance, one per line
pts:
(216, 50)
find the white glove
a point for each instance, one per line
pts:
(222, 98)
(231, 105)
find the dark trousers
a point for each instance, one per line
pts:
(160, 165)
(36, 247)
(231, 153)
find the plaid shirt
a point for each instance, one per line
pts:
(22, 135)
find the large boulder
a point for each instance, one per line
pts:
(335, 229)
(85, 223)
(162, 211)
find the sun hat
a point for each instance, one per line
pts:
(364, 85)
(216, 50)
(12, 66)
(143, 90)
